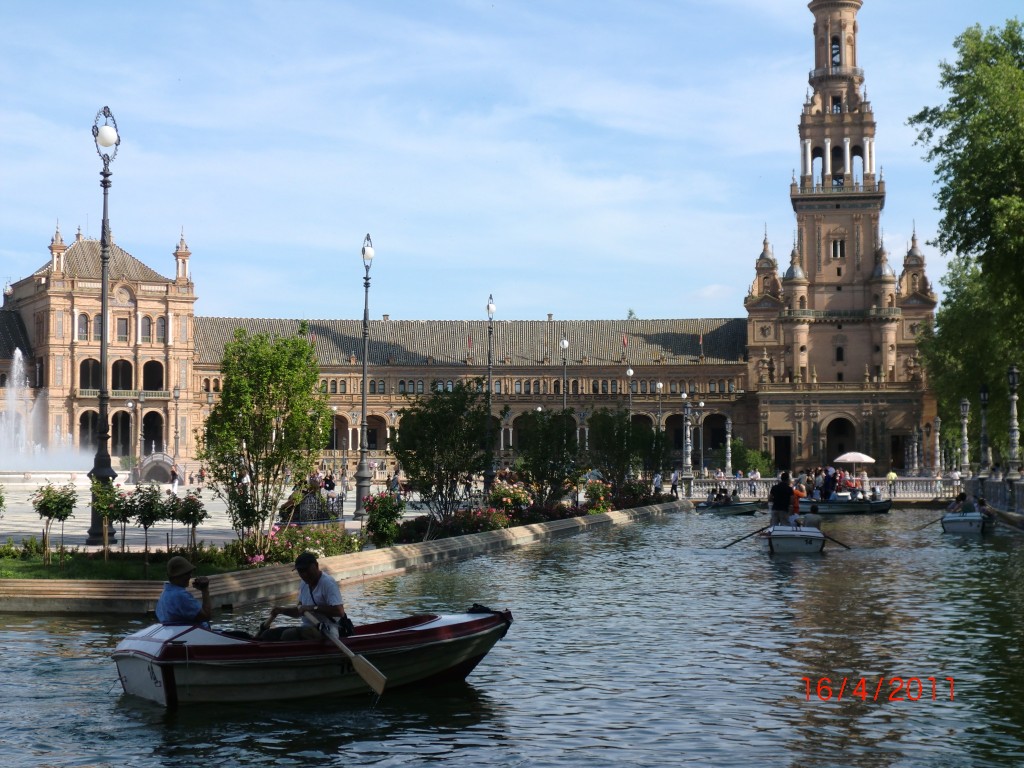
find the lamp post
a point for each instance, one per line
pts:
(687, 438)
(363, 470)
(131, 442)
(965, 460)
(728, 447)
(1013, 375)
(985, 463)
(334, 437)
(177, 398)
(104, 136)
(629, 386)
(489, 437)
(142, 433)
(936, 432)
(659, 386)
(564, 344)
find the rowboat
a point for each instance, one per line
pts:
(972, 521)
(725, 508)
(789, 540)
(173, 665)
(846, 505)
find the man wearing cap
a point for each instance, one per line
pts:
(176, 605)
(319, 594)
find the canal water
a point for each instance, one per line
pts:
(642, 645)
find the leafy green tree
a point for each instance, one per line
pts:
(441, 441)
(548, 454)
(149, 510)
(976, 140)
(744, 458)
(188, 510)
(655, 450)
(54, 504)
(612, 449)
(270, 418)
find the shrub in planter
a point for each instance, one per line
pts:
(383, 512)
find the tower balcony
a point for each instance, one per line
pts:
(837, 72)
(839, 315)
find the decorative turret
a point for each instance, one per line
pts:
(57, 251)
(181, 260)
(913, 279)
(766, 283)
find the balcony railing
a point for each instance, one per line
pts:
(127, 394)
(841, 314)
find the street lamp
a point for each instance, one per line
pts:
(564, 344)
(177, 398)
(985, 464)
(142, 433)
(965, 461)
(936, 436)
(728, 447)
(687, 438)
(363, 470)
(629, 386)
(489, 469)
(104, 136)
(131, 420)
(1013, 376)
(659, 386)
(334, 437)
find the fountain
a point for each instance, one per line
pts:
(26, 455)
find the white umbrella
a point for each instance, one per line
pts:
(854, 457)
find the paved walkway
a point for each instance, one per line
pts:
(20, 520)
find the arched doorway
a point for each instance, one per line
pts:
(840, 437)
(153, 439)
(121, 375)
(153, 376)
(88, 424)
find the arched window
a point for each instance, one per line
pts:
(594, 387)
(381, 387)
(97, 328)
(673, 387)
(373, 387)
(161, 329)
(89, 374)
(518, 387)
(448, 385)
(440, 386)
(323, 386)
(334, 386)
(401, 386)
(643, 387)
(216, 385)
(526, 387)
(712, 386)
(536, 387)
(557, 387)
(147, 329)
(497, 387)
(419, 386)
(206, 385)
(721, 385)
(343, 386)
(83, 327)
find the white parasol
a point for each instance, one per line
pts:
(855, 458)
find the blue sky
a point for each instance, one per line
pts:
(573, 158)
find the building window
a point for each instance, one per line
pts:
(594, 387)
(147, 329)
(518, 387)
(122, 330)
(373, 387)
(401, 386)
(448, 386)
(838, 249)
(343, 386)
(381, 388)
(334, 386)
(161, 330)
(712, 386)
(83, 327)
(839, 376)
(839, 354)
(97, 328)
(497, 387)
(604, 386)
(323, 386)
(419, 386)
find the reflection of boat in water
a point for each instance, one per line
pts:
(845, 504)
(729, 507)
(972, 521)
(787, 540)
(172, 665)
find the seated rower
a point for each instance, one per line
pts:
(812, 519)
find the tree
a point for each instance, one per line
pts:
(188, 510)
(612, 449)
(441, 440)
(655, 449)
(54, 503)
(270, 418)
(976, 140)
(548, 454)
(744, 458)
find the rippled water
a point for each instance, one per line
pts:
(645, 645)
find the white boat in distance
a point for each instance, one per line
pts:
(972, 521)
(790, 540)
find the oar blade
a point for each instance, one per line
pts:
(372, 676)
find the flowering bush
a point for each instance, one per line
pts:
(599, 496)
(466, 521)
(286, 542)
(510, 497)
(383, 512)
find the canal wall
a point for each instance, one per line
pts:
(233, 590)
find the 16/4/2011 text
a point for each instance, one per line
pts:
(886, 689)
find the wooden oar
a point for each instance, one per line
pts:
(933, 522)
(372, 676)
(741, 538)
(837, 541)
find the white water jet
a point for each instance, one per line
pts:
(24, 443)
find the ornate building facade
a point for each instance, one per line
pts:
(825, 360)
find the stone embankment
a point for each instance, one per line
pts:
(233, 590)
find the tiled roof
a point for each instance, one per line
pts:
(12, 335)
(82, 260)
(516, 342)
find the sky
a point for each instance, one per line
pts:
(579, 159)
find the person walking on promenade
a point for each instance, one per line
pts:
(675, 483)
(890, 479)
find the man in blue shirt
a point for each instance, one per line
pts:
(176, 605)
